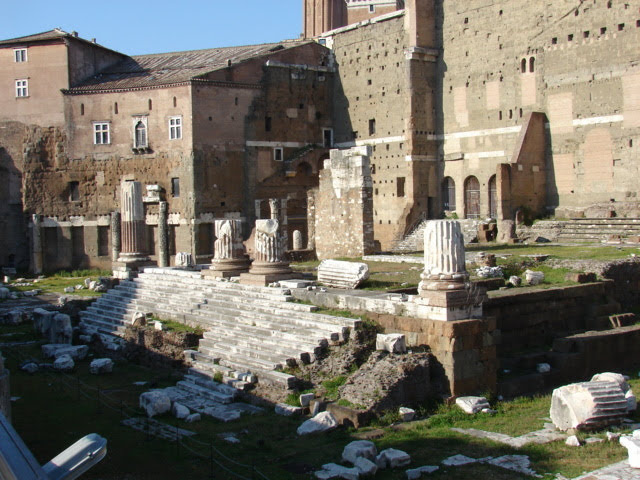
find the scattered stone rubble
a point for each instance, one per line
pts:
(489, 272)
(533, 278)
(632, 444)
(322, 422)
(386, 381)
(101, 365)
(473, 405)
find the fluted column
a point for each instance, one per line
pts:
(133, 224)
(229, 257)
(444, 257)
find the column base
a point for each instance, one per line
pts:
(263, 280)
(127, 266)
(451, 305)
(227, 268)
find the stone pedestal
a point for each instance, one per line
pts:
(229, 258)
(268, 266)
(132, 232)
(445, 288)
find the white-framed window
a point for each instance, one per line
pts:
(175, 128)
(101, 134)
(22, 88)
(278, 154)
(140, 135)
(372, 8)
(20, 55)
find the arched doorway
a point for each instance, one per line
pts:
(472, 197)
(493, 195)
(448, 194)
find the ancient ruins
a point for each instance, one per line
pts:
(205, 180)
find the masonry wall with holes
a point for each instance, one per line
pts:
(577, 64)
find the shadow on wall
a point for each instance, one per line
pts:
(14, 245)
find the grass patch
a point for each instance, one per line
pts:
(173, 326)
(57, 282)
(51, 415)
(581, 252)
(331, 387)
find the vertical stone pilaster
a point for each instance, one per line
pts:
(163, 235)
(284, 219)
(115, 236)
(311, 219)
(36, 235)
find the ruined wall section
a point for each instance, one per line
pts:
(344, 206)
(369, 108)
(14, 250)
(503, 60)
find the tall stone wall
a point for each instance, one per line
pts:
(14, 246)
(344, 207)
(502, 60)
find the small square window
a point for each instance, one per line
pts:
(175, 187)
(554, 41)
(175, 128)
(620, 27)
(570, 37)
(585, 34)
(20, 55)
(101, 134)
(603, 30)
(277, 154)
(372, 8)
(22, 88)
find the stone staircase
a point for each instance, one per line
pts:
(251, 330)
(587, 230)
(414, 241)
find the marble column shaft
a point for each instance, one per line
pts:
(115, 235)
(163, 235)
(133, 227)
(37, 244)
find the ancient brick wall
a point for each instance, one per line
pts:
(502, 60)
(466, 349)
(343, 206)
(14, 245)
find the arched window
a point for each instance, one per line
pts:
(448, 194)
(140, 139)
(493, 197)
(532, 64)
(472, 197)
(523, 65)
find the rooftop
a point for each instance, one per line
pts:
(176, 67)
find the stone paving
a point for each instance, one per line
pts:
(547, 435)
(617, 471)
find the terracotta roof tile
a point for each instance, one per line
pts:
(176, 67)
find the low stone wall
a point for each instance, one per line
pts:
(157, 349)
(535, 318)
(464, 349)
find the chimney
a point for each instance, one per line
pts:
(93, 40)
(75, 34)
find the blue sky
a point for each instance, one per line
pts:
(137, 27)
